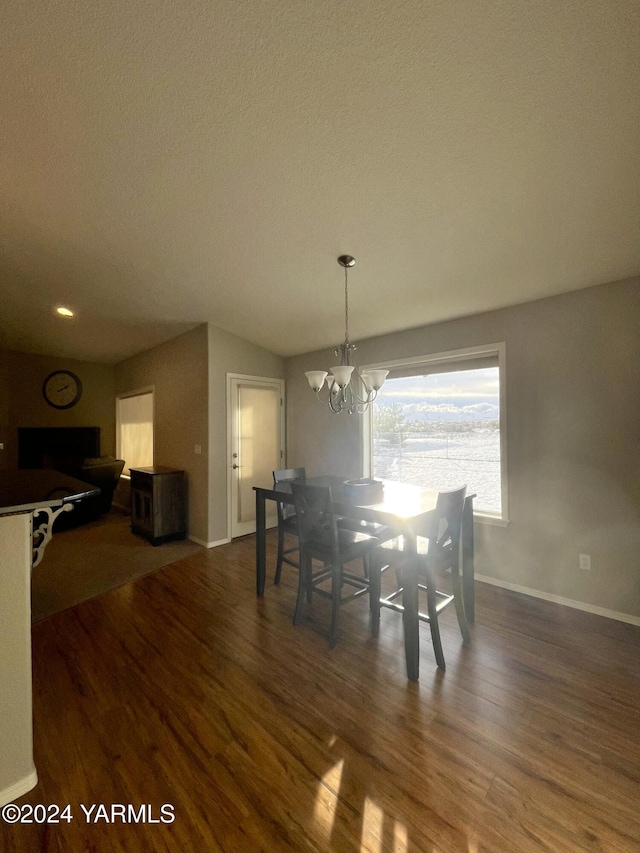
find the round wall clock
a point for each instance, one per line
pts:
(62, 389)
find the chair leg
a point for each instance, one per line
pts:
(433, 623)
(365, 565)
(375, 584)
(367, 561)
(325, 563)
(336, 596)
(459, 605)
(276, 579)
(304, 585)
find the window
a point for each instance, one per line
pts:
(439, 421)
(134, 419)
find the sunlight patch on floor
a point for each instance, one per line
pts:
(372, 827)
(400, 838)
(324, 811)
(374, 831)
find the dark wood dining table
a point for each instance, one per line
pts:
(405, 509)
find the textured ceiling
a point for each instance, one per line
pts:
(166, 164)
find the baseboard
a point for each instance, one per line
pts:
(558, 599)
(209, 544)
(13, 792)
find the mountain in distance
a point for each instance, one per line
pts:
(463, 409)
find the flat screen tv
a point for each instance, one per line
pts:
(34, 443)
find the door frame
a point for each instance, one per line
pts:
(233, 380)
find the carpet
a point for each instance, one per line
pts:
(82, 563)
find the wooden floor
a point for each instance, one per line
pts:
(182, 688)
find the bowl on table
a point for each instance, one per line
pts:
(364, 491)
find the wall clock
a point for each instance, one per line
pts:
(62, 389)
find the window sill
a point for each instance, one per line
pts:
(491, 520)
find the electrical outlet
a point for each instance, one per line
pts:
(197, 449)
(584, 562)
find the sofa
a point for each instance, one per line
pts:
(103, 472)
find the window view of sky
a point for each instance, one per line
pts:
(467, 394)
(441, 430)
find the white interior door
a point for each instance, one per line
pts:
(256, 446)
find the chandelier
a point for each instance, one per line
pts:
(348, 389)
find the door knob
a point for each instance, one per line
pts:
(237, 466)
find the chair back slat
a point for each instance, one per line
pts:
(316, 521)
(288, 475)
(445, 527)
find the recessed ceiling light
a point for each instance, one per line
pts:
(64, 312)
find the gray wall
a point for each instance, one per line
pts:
(23, 405)
(573, 437)
(189, 377)
(177, 370)
(228, 354)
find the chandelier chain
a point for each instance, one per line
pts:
(346, 306)
(347, 390)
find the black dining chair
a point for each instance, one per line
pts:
(438, 553)
(287, 522)
(322, 539)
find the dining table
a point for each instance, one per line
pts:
(403, 509)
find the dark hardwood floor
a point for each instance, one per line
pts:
(182, 688)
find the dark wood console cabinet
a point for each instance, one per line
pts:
(158, 503)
